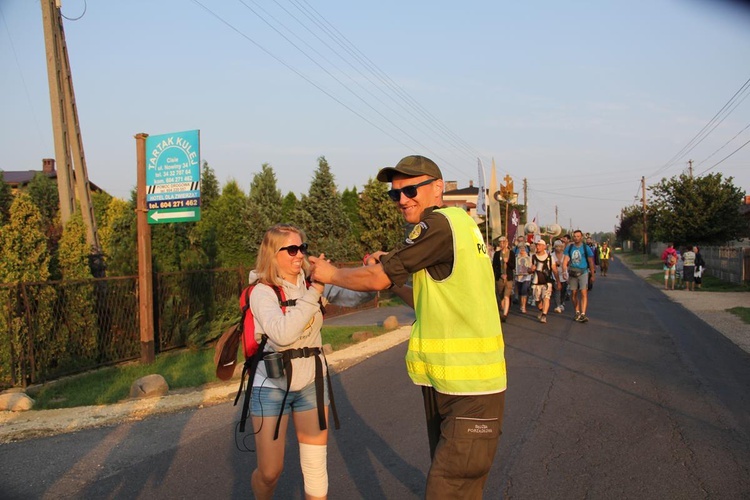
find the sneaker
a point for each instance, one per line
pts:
(562, 308)
(583, 318)
(543, 318)
(577, 316)
(557, 309)
(523, 310)
(539, 316)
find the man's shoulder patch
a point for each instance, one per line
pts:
(416, 232)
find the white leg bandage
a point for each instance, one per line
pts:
(313, 458)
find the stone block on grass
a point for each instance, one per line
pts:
(360, 336)
(150, 386)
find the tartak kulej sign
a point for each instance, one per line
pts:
(173, 177)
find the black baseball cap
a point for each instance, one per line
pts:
(413, 166)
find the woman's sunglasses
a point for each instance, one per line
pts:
(409, 191)
(293, 249)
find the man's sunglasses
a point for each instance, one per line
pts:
(293, 249)
(409, 191)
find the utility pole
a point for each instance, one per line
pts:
(690, 168)
(645, 219)
(525, 201)
(555, 214)
(66, 127)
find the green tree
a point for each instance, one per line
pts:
(288, 205)
(631, 226)
(263, 205)
(101, 201)
(118, 238)
(350, 202)
(226, 221)
(6, 198)
(43, 193)
(382, 224)
(24, 258)
(76, 337)
(697, 210)
(209, 186)
(329, 230)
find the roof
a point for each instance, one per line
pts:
(467, 191)
(22, 177)
(19, 178)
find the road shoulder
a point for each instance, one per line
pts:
(711, 307)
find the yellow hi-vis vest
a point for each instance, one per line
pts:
(456, 343)
(603, 254)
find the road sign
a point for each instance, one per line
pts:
(173, 177)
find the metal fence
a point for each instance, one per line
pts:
(52, 329)
(57, 328)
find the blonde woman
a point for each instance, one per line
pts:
(295, 331)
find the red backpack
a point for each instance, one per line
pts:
(225, 356)
(247, 322)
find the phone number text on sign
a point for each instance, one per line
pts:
(190, 202)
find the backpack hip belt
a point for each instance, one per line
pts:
(287, 356)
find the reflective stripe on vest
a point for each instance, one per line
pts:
(456, 343)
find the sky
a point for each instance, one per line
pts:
(580, 98)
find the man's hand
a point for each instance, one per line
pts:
(374, 258)
(321, 270)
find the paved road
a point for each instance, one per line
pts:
(376, 316)
(644, 401)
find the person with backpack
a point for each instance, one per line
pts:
(543, 267)
(292, 328)
(579, 261)
(669, 257)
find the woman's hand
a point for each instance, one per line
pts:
(321, 270)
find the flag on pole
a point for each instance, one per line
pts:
(481, 198)
(495, 216)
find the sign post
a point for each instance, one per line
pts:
(145, 285)
(173, 177)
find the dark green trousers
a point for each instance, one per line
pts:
(464, 432)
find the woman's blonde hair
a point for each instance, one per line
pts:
(266, 267)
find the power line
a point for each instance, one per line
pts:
(725, 158)
(723, 146)
(23, 80)
(329, 93)
(297, 72)
(704, 132)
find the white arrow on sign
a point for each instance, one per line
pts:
(172, 215)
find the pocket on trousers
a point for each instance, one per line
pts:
(470, 446)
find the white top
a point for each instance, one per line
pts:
(298, 326)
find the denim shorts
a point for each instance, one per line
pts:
(266, 401)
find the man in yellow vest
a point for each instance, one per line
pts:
(605, 254)
(456, 350)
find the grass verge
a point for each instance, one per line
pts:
(181, 369)
(710, 284)
(742, 312)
